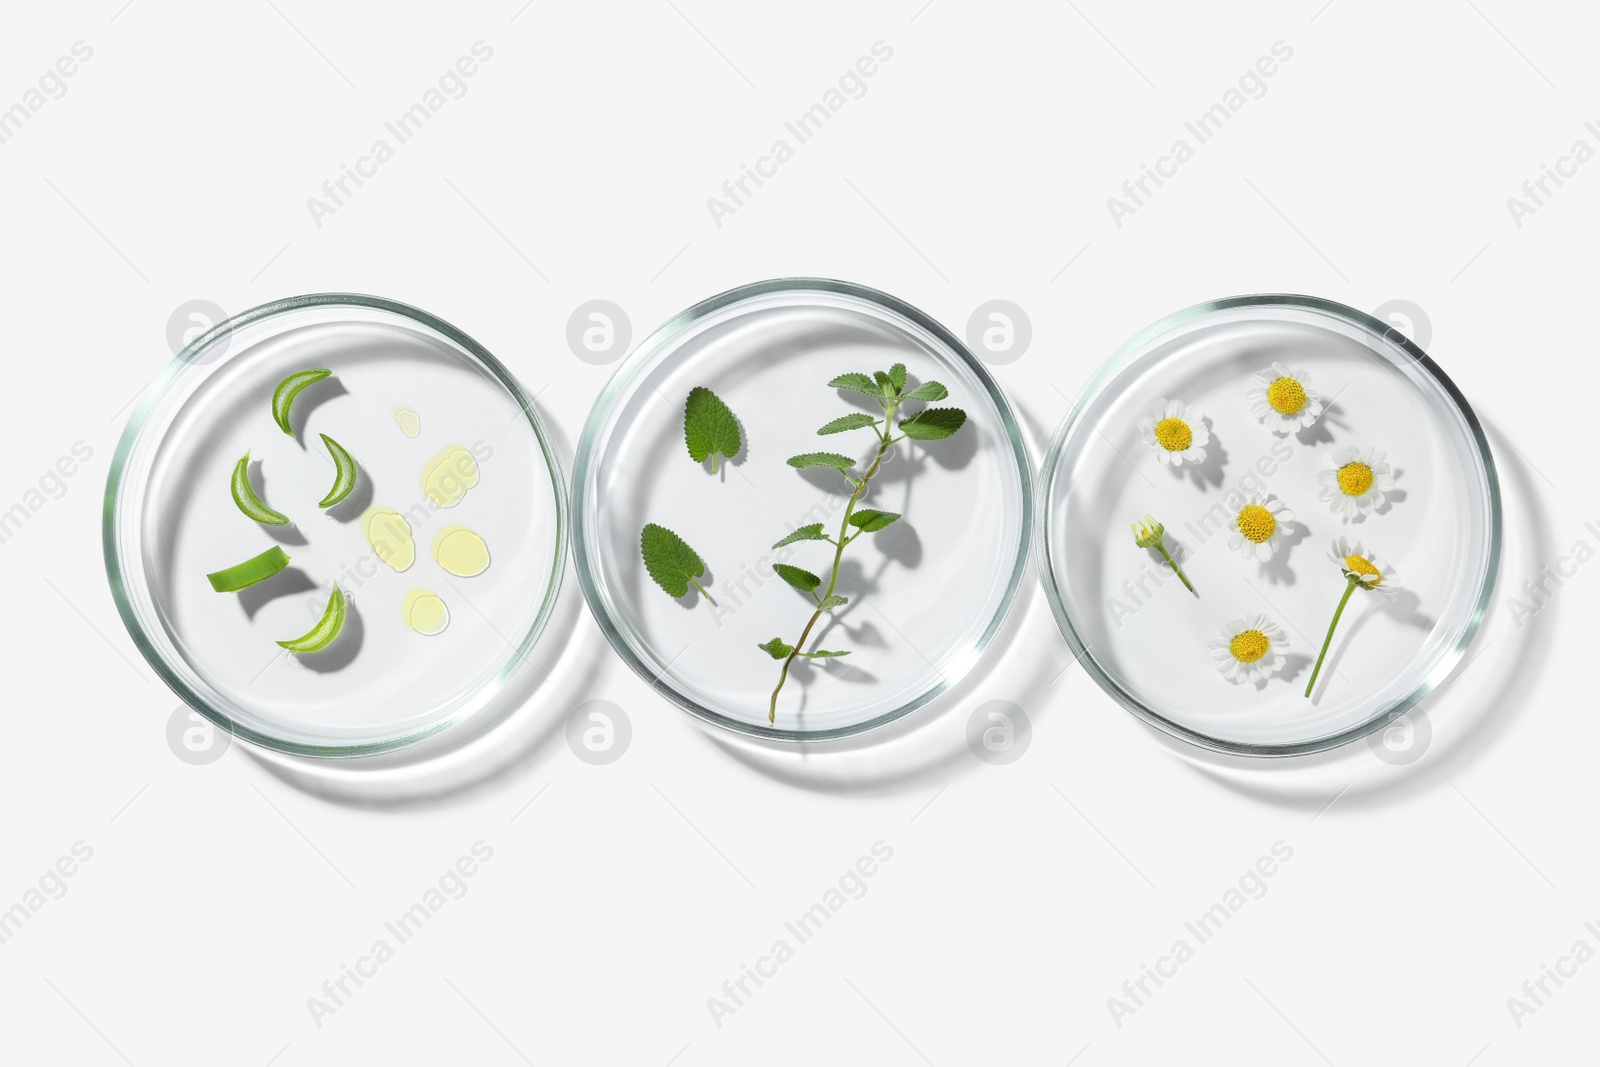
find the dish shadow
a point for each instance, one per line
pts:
(360, 499)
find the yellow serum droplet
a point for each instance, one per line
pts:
(460, 551)
(424, 612)
(387, 531)
(410, 422)
(447, 476)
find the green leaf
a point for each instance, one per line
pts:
(253, 570)
(870, 521)
(283, 396)
(859, 383)
(670, 560)
(849, 422)
(885, 383)
(897, 376)
(777, 648)
(244, 495)
(327, 629)
(821, 459)
(928, 391)
(933, 424)
(802, 580)
(709, 428)
(809, 532)
(822, 653)
(344, 478)
(828, 603)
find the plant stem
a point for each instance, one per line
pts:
(885, 444)
(1349, 588)
(1162, 548)
(703, 592)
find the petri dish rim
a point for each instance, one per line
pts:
(112, 513)
(641, 359)
(1107, 372)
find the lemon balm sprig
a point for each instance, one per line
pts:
(888, 389)
(1361, 570)
(1148, 533)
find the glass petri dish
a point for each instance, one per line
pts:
(406, 389)
(1144, 638)
(927, 594)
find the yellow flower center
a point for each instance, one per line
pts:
(1249, 646)
(1256, 523)
(1286, 396)
(1173, 435)
(1362, 567)
(1355, 479)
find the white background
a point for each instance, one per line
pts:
(1019, 898)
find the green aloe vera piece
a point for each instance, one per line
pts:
(345, 480)
(253, 570)
(244, 495)
(327, 629)
(288, 389)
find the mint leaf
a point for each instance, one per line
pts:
(828, 603)
(849, 422)
(709, 428)
(809, 532)
(870, 521)
(821, 459)
(858, 383)
(670, 560)
(802, 580)
(897, 376)
(822, 653)
(933, 424)
(928, 391)
(776, 648)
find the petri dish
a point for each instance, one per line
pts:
(927, 593)
(170, 519)
(1146, 640)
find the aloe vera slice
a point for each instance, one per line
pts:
(287, 390)
(253, 570)
(325, 631)
(245, 496)
(345, 480)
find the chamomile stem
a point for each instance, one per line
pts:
(1175, 568)
(1349, 588)
(885, 444)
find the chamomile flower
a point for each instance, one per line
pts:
(1373, 574)
(1361, 570)
(1151, 534)
(1283, 399)
(1357, 482)
(1177, 432)
(1258, 526)
(1250, 649)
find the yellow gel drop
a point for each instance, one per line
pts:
(460, 551)
(447, 476)
(424, 612)
(410, 423)
(387, 531)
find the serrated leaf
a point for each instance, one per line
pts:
(821, 459)
(870, 521)
(933, 424)
(809, 532)
(670, 560)
(859, 383)
(822, 653)
(802, 580)
(777, 648)
(828, 603)
(709, 428)
(857, 421)
(885, 383)
(897, 376)
(928, 391)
